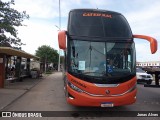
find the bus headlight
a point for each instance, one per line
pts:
(74, 87)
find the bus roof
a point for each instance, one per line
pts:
(94, 10)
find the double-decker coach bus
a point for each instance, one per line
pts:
(100, 58)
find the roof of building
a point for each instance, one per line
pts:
(15, 52)
(146, 61)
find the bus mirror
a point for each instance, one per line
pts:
(62, 39)
(153, 42)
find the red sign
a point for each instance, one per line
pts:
(90, 14)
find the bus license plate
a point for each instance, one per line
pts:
(107, 104)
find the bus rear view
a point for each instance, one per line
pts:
(100, 59)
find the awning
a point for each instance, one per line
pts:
(15, 52)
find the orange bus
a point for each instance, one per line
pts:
(100, 58)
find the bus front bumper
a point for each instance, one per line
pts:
(83, 99)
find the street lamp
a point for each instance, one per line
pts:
(59, 61)
(59, 30)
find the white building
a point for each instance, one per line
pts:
(148, 64)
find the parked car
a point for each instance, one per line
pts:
(143, 77)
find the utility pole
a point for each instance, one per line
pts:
(59, 30)
(45, 67)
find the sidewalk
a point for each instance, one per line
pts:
(12, 91)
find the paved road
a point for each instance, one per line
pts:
(48, 95)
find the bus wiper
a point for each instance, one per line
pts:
(85, 73)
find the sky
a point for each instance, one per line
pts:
(142, 15)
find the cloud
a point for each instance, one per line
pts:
(145, 19)
(143, 52)
(142, 15)
(50, 8)
(38, 8)
(37, 34)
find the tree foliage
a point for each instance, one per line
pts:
(9, 20)
(48, 54)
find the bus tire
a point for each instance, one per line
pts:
(65, 88)
(149, 82)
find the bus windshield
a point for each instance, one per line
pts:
(102, 60)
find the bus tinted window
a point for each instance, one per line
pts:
(113, 25)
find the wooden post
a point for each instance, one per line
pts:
(18, 68)
(28, 66)
(6, 66)
(2, 70)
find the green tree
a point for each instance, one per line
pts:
(47, 54)
(9, 20)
